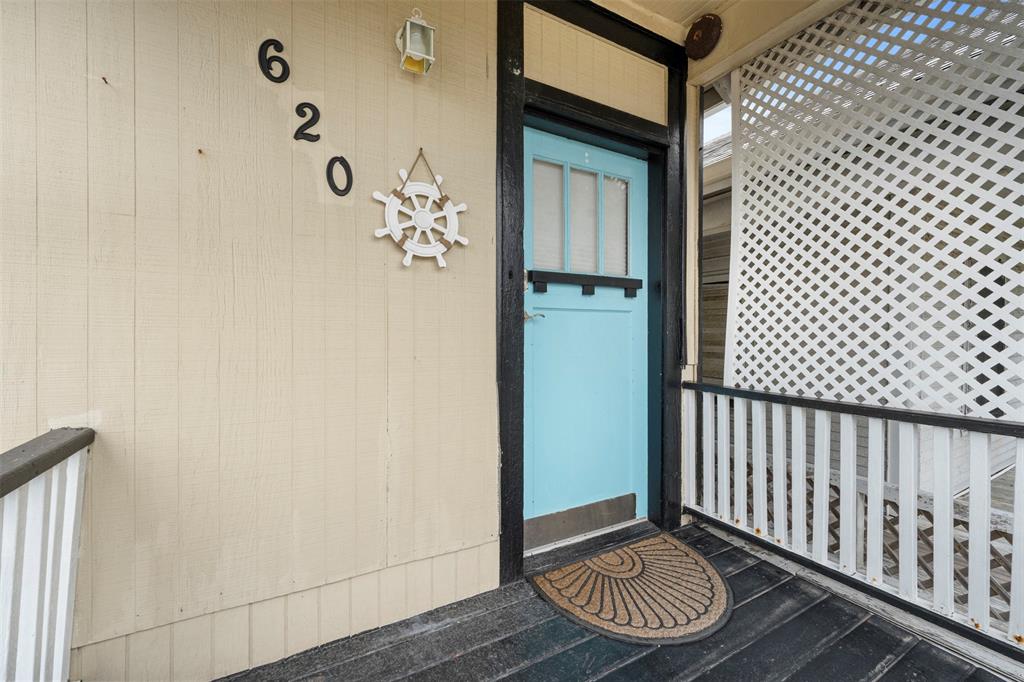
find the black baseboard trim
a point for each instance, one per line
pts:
(987, 641)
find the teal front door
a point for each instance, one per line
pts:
(585, 326)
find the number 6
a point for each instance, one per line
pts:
(266, 61)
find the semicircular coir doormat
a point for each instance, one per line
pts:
(656, 590)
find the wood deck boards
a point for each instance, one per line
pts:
(783, 628)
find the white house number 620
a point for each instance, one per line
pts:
(276, 69)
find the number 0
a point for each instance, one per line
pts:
(339, 160)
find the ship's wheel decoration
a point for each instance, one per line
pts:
(421, 218)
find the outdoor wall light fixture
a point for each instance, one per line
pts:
(415, 40)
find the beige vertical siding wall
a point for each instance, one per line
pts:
(566, 57)
(296, 434)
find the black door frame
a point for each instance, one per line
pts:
(522, 102)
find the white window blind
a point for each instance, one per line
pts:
(878, 210)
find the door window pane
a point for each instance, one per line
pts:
(616, 226)
(583, 231)
(548, 216)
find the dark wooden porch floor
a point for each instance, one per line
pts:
(783, 628)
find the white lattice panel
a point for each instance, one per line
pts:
(878, 189)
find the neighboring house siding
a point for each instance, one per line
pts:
(566, 57)
(296, 435)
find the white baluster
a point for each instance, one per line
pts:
(942, 525)
(847, 493)
(690, 448)
(30, 622)
(1017, 566)
(908, 511)
(760, 468)
(708, 448)
(739, 418)
(11, 547)
(779, 502)
(54, 537)
(74, 494)
(723, 458)
(819, 520)
(799, 437)
(875, 503)
(979, 540)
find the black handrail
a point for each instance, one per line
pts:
(21, 464)
(949, 421)
(541, 278)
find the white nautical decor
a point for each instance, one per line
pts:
(421, 219)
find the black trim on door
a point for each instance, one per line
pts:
(547, 99)
(511, 101)
(612, 27)
(522, 102)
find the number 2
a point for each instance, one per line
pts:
(314, 116)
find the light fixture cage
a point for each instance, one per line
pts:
(415, 40)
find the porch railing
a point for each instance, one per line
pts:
(41, 488)
(964, 561)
